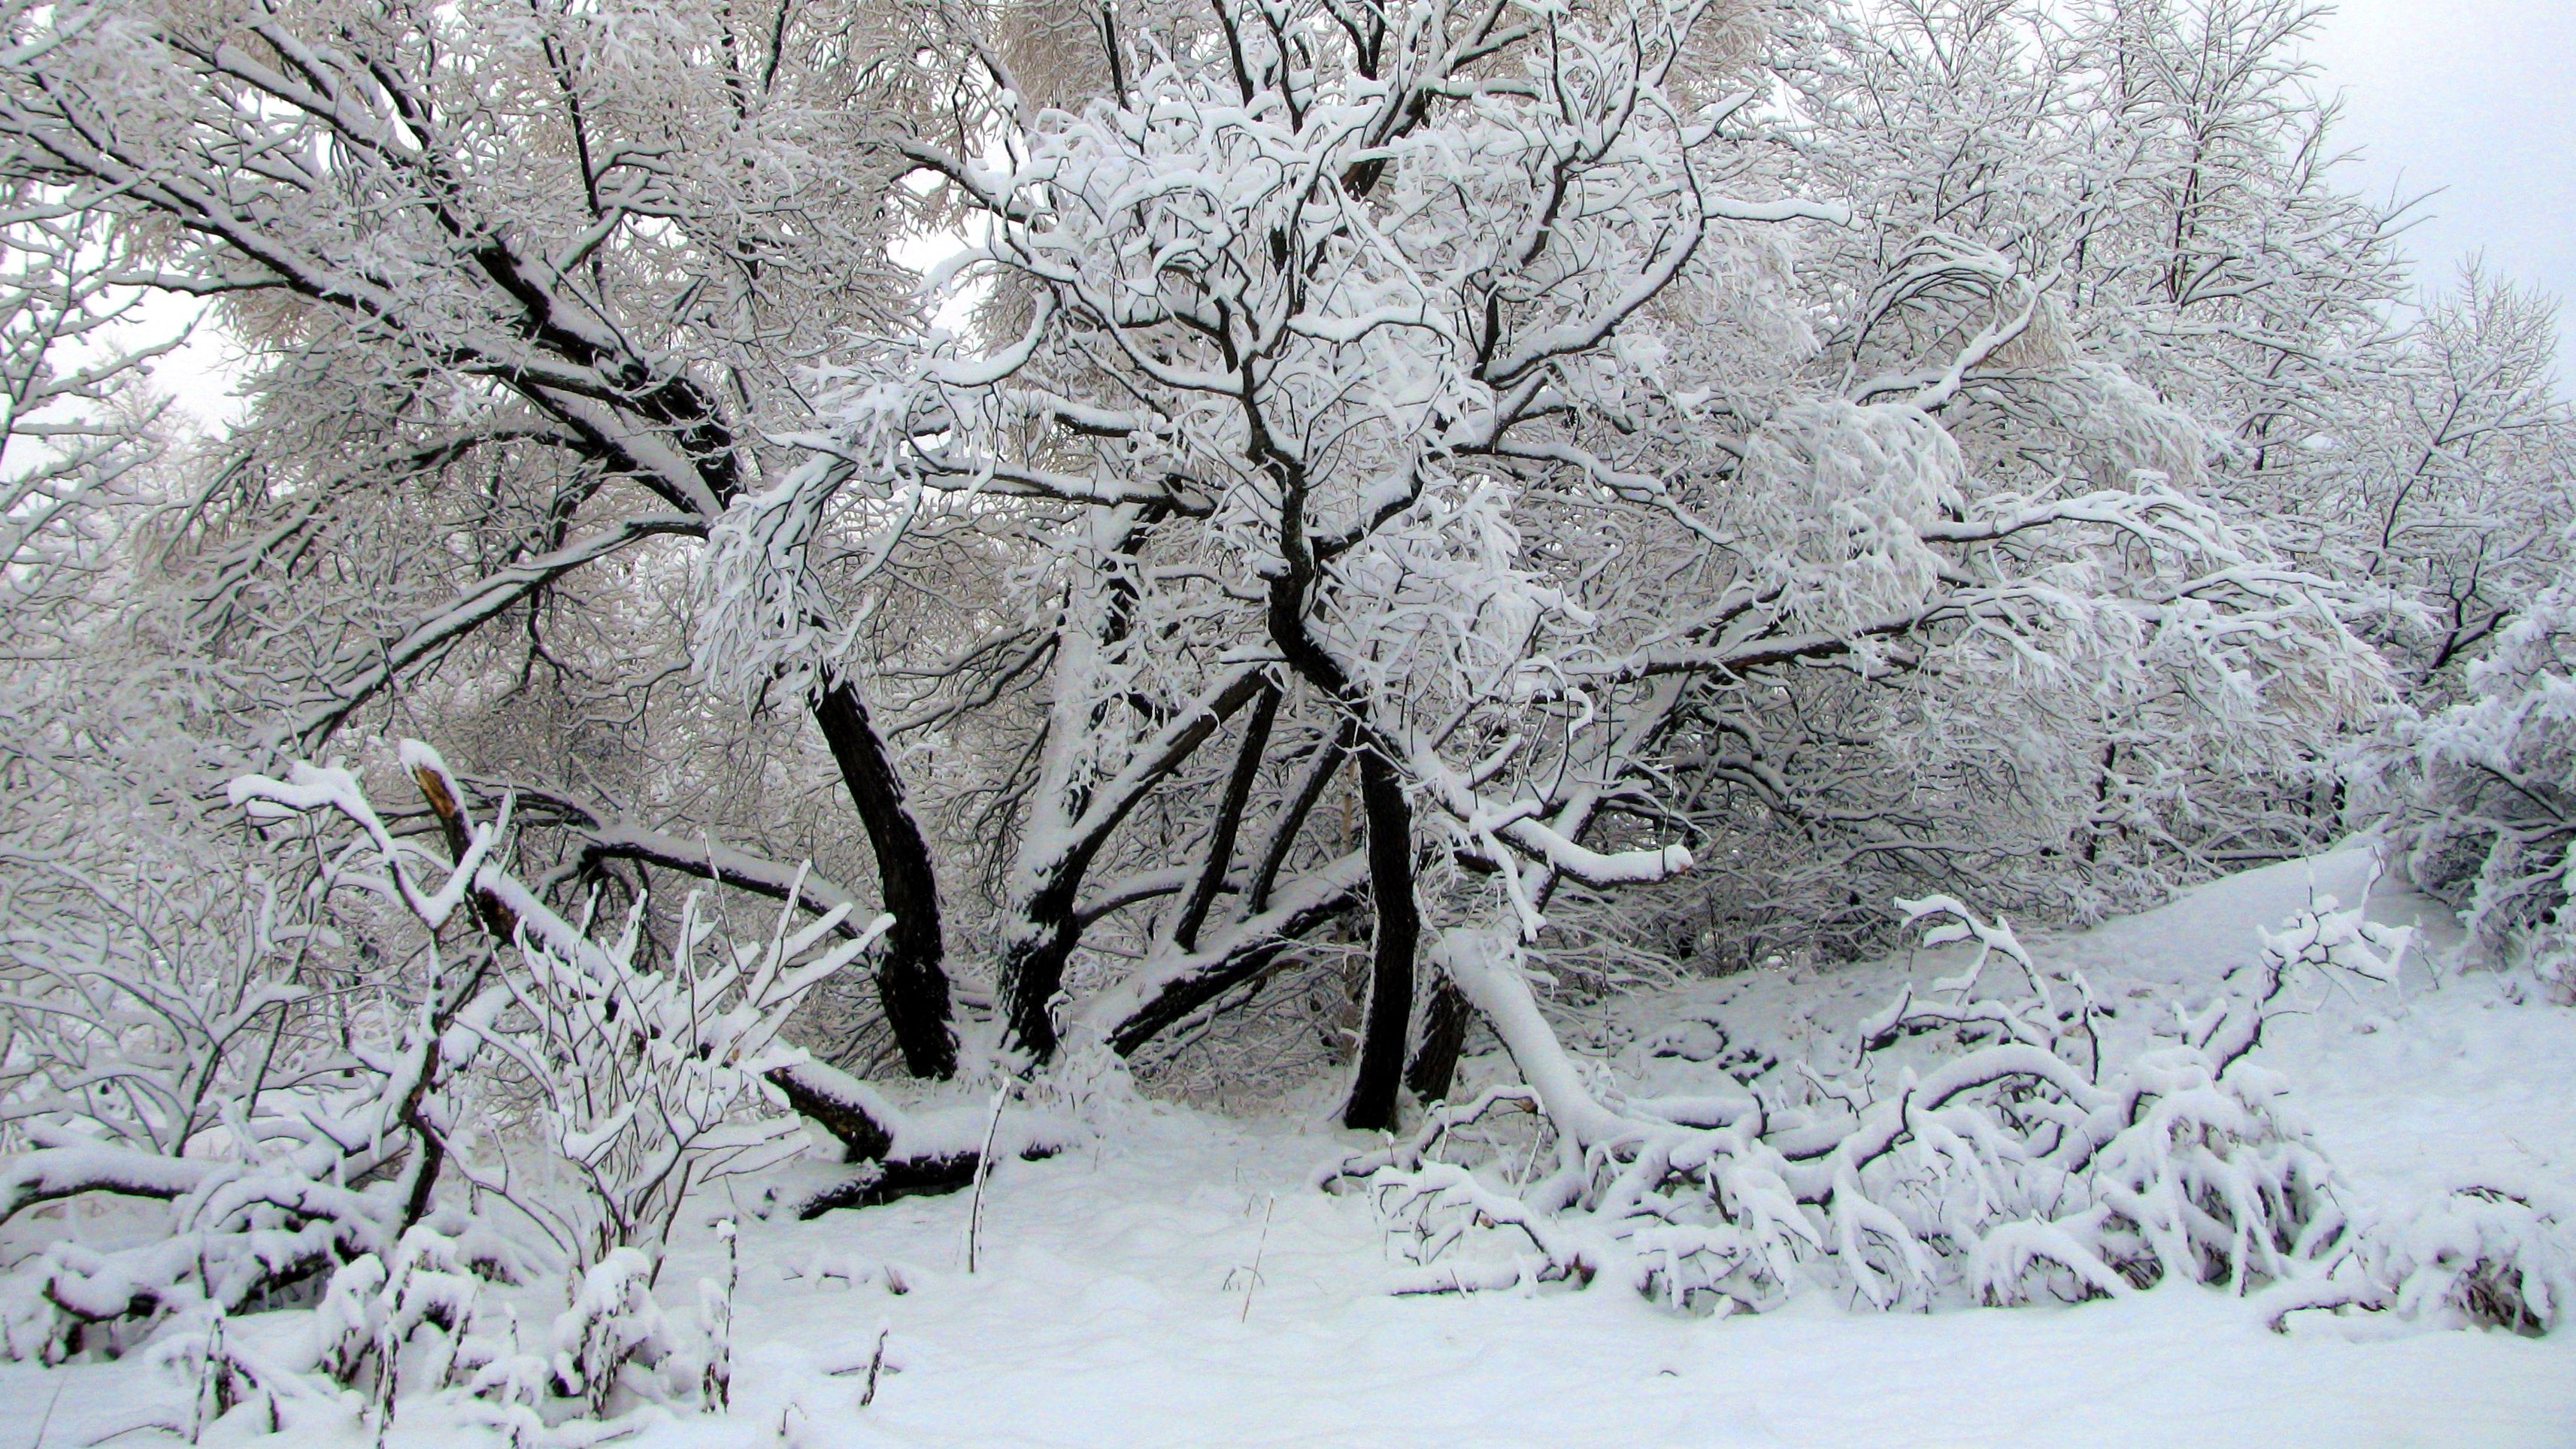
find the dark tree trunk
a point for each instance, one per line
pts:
(1444, 1035)
(911, 980)
(1390, 819)
(1040, 943)
(1034, 958)
(1399, 928)
(1229, 821)
(1176, 1002)
(1180, 999)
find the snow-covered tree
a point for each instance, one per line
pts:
(144, 955)
(2214, 306)
(529, 285)
(1436, 373)
(2451, 500)
(1379, 508)
(2489, 792)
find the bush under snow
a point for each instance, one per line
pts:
(1979, 1148)
(2491, 816)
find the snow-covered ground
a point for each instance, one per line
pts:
(1115, 1303)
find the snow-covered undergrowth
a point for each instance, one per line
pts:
(1179, 1280)
(1979, 1142)
(552, 1097)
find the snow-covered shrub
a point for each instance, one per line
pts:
(600, 1093)
(652, 1084)
(614, 1335)
(639, 1083)
(2484, 1255)
(1979, 1150)
(201, 1054)
(226, 1233)
(370, 1313)
(420, 1329)
(2490, 809)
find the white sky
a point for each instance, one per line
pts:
(2471, 100)
(2474, 100)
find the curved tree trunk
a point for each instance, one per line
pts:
(1390, 817)
(1399, 930)
(912, 982)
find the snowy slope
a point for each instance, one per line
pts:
(1111, 1307)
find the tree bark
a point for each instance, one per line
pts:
(1034, 958)
(1399, 929)
(1390, 819)
(1444, 1035)
(1180, 999)
(1177, 1002)
(912, 982)
(868, 1136)
(1229, 821)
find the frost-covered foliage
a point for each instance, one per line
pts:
(554, 1074)
(1383, 446)
(2450, 500)
(2490, 809)
(2148, 184)
(76, 419)
(1451, 405)
(139, 953)
(2120, 216)
(2464, 531)
(1978, 1149)
(176, 1032)
(465, 472)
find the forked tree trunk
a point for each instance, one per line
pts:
(912, 982)
(1043, 928)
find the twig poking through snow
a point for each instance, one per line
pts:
(47, 1421)
(983, 1169)
(1252, 1279)
(876, 1366)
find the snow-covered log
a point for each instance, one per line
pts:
(896, 1153)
